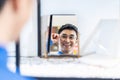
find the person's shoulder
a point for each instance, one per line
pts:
(7, 75)
(60, 52)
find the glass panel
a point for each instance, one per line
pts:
(63, 36)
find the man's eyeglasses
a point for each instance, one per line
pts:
(71, 37)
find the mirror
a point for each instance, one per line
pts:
(62, 36)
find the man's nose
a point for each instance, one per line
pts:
(67, 39)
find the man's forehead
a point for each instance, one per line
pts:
(68, 32)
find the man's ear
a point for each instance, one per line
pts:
(76, 40)
(22, 8)
(20, 5)
(14, 4)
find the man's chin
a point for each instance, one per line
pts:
(67, 51)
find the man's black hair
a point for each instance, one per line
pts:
(2, 2)
(68, 27)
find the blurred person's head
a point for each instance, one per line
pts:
(13, 15)
(68, 38)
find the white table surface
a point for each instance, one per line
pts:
(92, 66)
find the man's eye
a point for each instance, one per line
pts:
(64, 36)
(71, 37)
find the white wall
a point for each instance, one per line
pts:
(28, 38)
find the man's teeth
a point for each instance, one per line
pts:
(67, 44)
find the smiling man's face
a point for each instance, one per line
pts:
(68, 39)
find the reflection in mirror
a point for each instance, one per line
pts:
(63, 36)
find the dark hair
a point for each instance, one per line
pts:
(68, 27)
(2, 2)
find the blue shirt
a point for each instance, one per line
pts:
(5, 74)
(60, 52)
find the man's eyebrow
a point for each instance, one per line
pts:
(64, 34)
(68, 35)
(71, 35)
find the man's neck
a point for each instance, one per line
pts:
(3, 37)
(6, 23)
(4, 32)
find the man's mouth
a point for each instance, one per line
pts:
(67, 45)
